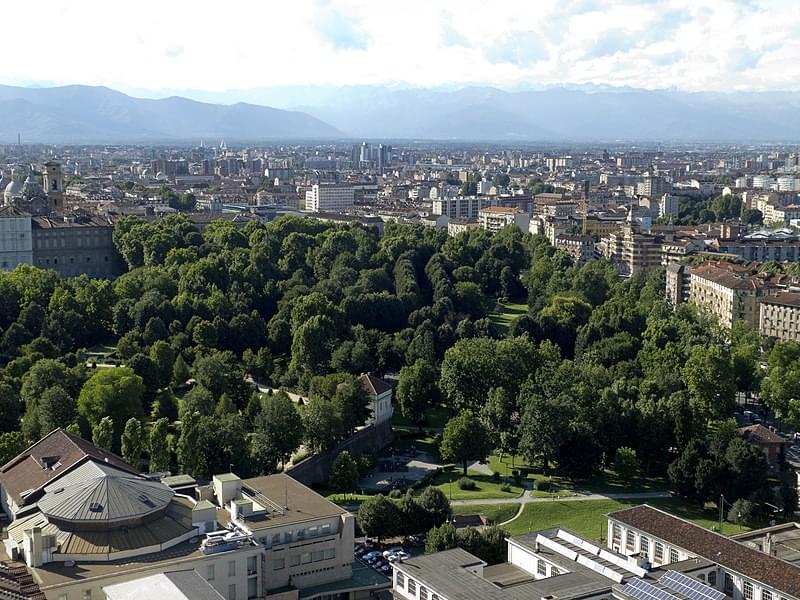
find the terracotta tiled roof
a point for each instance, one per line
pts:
(374, 385)
(758, 434)
(48, 459)
(717, 548)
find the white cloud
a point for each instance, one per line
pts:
(241, 44)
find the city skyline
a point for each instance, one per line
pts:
(164, 49)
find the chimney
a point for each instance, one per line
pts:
(768, 543)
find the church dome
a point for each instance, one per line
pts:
(13, 188)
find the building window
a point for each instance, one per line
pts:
(766, 595)
(554, 571)
(630, 539)
(673, 555)
(541, 567)
(325, 529)
(252, 565)
(276, 538)
(294, 560)
(747, 590)
(305, 558)
(252, 588)
(401, 579)
(658, 551)
(278, 564)
(329, 553)
(423, 593)
(617, 532)
(316, 556)
(412, 587)
(232, 591)
(210, 573)
(231, 568)
(728, 584)
(644, 546)
(87, 594)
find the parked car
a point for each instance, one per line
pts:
(386, 569)
(398, 556)
(390, 551)
(372, 556)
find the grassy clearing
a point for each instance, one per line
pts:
(485, 488)
(496, 513)
(420, 441)
(435, 416)
(504, 314)
(588, 517)
(602, 483)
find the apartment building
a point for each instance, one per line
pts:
(460, 207)
(495, 218)
(83, 520)
(330, 197)
(779, 316)
(677, 284)
(632, 251)
(781, 215)
(459, 226)
(726, 292)
(653, 186)
(579, 247)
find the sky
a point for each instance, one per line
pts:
(154, 48)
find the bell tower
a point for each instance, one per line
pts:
(53, 182)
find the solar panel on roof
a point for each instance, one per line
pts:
(641, 590)
(689, 587)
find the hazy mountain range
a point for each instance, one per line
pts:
(587, 113)
(98, 114)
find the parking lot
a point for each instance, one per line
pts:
(399, 470)
(380, 556)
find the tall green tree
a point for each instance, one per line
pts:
(159, 446)
(379, 517)
(417, 391)
(344, 473)
(464, 439)
(116, 391)
(103, 433)
(133, 442)
(781, 388)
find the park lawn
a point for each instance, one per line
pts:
(588, 517)
(485, 488)
(495, 513)
(406, 439)
(436, 417)
(602, 483)
(504, 314)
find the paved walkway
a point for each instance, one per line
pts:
(526, 498)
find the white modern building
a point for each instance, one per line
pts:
(330, 197)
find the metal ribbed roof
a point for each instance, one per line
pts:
(97, 493)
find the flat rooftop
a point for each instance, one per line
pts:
(56, 573)
(448, 573)
(299, 503)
